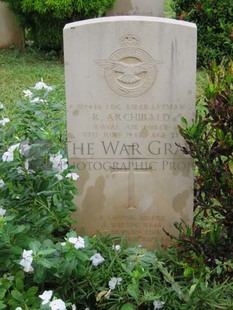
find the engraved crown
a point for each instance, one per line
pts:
(129, 40)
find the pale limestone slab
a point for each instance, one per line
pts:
(128, 82)
(10, 32)
(137, 7)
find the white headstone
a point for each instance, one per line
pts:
(137, 7)
(10, 32)
(128, 82)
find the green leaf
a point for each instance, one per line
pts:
(46, 251)
(17, 295)
(32, 291)
(70, 266)
(16, 250)
(187, 272)
(82, 256)
(2, 306)
(2, 293)
(18, 229)
(133, 291)
(69, 256)
(192, 288)
(229, 78)
(34, 246)
(230, 164)
(71, 234)
(39, 274)
(184, 121)
(48, 243)
(128, 306)
(47, 193)
(211, 87)
(19, 284)
(150, 296)
(140, 273)
(44, 262)
(218, 270)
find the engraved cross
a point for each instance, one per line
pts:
(131, 182)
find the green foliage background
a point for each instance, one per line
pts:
(214, 24)
(210, 143)
(44, 20)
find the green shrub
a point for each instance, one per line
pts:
(29, 178)
(214, 22)
(44, 20)
(210, 141)
(44, 265)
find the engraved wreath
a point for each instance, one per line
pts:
(129, 71)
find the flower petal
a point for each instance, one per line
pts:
(57, 304)
(97, 259)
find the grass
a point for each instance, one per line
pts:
(20, 69)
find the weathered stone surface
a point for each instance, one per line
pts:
(137, 7)
(10, 32)
(128, 82)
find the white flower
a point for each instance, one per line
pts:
(8, 276)
(18, 308)
(13, 147)
(26, 164)
(24, 148)
(49, 88)
(54, 158)
(57, 304)
(158, 304)
(1, 106)
(97, 259)
(59, 163)
(73, 176)
(26, 260)
(116, 247)
(4, 121)
(79, 242)
(46, 296)
(37, 100)
(8, 156)
(27, 93)
(25, 170)
(41, 85)
(63, 243)
(2, 211)
(114, 282)
(62, 165)
(20, 170)
(59, 176)
(73, 307)
(2, 183)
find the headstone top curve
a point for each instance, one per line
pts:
(129, 19)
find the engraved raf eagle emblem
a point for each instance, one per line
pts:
(129, 71)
